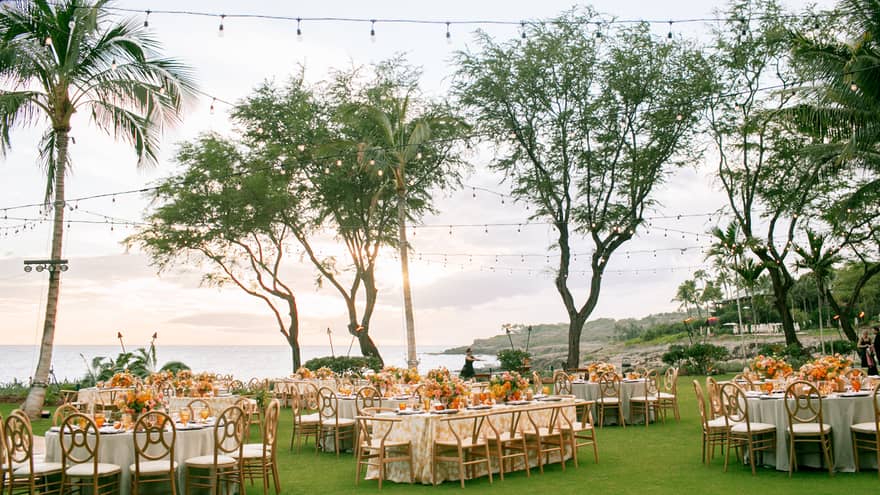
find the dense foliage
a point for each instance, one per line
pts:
(512, 359)
(341, 364)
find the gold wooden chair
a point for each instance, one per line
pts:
(609, 397)
(754, 437)
(252, 414)
(713, 390)
(22, 473)
(367, 397)
(224, 466)
(580, 431)
(668, 394)
(62, 412)
(508, 443)
(647, 404)
(714, 430)
(745, 381)
(3, 458)
(197, 405)
(803, 403)
(304, 425)
(154, 439)
(865, 436)
(341, 429)
(544, 434)
(537, 383)
(259, 458)
(377, 450)
(561, 383)
(80, 444)
(465, 451)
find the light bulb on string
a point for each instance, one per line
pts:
(419, 155)
(522, 32)
(338, 163)
(379, 173)
(301, 147)
(214, 100)
(854, 87)
(299, 33)
(372, 162)
(48, 41)
(448, 35)
(372, 30)
(113, 65)
(147, 19)
(220, 30)
(669, 34)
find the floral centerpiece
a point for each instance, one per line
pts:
(406, 376)
(324, 373)
(598, 369)
(441, 385)
(122, 380)
(183, 382)
(509, 385)
(138, 401)
(160, 379)
(825, 368)
(303, 373)
(382, 381)
(770, 367)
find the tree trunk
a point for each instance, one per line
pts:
(411, 356)
(368, 347)
(780, 293)
(33, 405)
(844, 312)
(294, 351)
(293, 333)
(575, 327)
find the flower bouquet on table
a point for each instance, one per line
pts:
(770, 367)
(183, 382)
(123, 379)
(138, 401)
(827, 368)
(303, 373)
(403, 375)
(160, 379)
(449, 390)
(383, 381)
(509, 385)
(598, 369)
(324, 373)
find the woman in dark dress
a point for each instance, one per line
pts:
(468, 370)
(863, 345)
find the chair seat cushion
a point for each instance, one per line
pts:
(465, 443)
(153, 467)
(754, 427)
(666, 395)
(88, 469)
(249, 454)
(810, 428)
(377, 444)
(505, 436)
(208, 460)
(39, 468)
(608, 400)
(337, 421)
(642, 398)
(865, 427)
(717, 423)
(577, 426)
(309, 418)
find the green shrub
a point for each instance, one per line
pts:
(697, 358)
(342, 364)
(174, 366)
(675, 355)
(512, 359)
(839, 346)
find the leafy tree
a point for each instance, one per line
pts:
(820, 262)
(512, 359)
(58, 58)
(750, 274)
(686, 294)
(586, 127)
(413, 143)
(769, 184)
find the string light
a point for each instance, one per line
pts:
(373, 30)
(221, 29)
(669, 34)
(522, 26)
(448, 35)
(299, 33)
(48, 41)
(854, 87)
(301, 147)
(214, 100)
(147, 19)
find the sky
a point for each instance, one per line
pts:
(463, 295)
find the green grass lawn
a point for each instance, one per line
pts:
(659, 459)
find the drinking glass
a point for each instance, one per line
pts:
(184, 416)
(401, 406)
(856, 384)
(204, 413)
(99, 419)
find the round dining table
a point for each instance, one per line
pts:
(838, 410)
(118, 448)
(628, 389)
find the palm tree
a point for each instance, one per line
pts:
(727, 251)
(62, 57)
(820, 262)
(749, 272)
(687, 293)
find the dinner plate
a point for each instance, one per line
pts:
(446, 411)
(517, 402)
(401, 397)
(579, 382)
(479, 408)
(190, 426)
(550, 398)
(109, 430)
(855, 394)
(408, 412)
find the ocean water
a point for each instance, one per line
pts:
(69, 362)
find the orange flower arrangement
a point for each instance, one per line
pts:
(442, 386)
(599, 368)
(770, 367)
(825, 368)
(138, 401)
(122, 380)
(508, 385)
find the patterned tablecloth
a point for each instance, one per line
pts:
(217, 404)
(94, 395)
(839, 412)
(628, 389)
(423, 429)
(119, 449)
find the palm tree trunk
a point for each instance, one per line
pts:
(33, 405)
(411, 358)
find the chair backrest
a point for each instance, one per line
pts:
(561, 383)
(18, 441)
(367, 397)
(493, 421)
(876, 397)
(328, 404)
(670, 381)
(701, 404)
(3, 460)
(198, 405)
(270, 427)
(367, 427)
(803, 403)
(733, 405)
(538, 417)
(714, 393)
(609, 385)
(537, 383)
(309, 394)
(229, 432)
(457, 424)
(744, 381)
(80, 441)
(63, 412)
(153, 439)
(651, 383)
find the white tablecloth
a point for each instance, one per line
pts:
(628, 389)
(839, 412)
(217, 404)
(118, 449)
(93, 395)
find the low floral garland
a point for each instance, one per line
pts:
(770, 367)
(825, 368)
(600, 368)
(509, 385)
